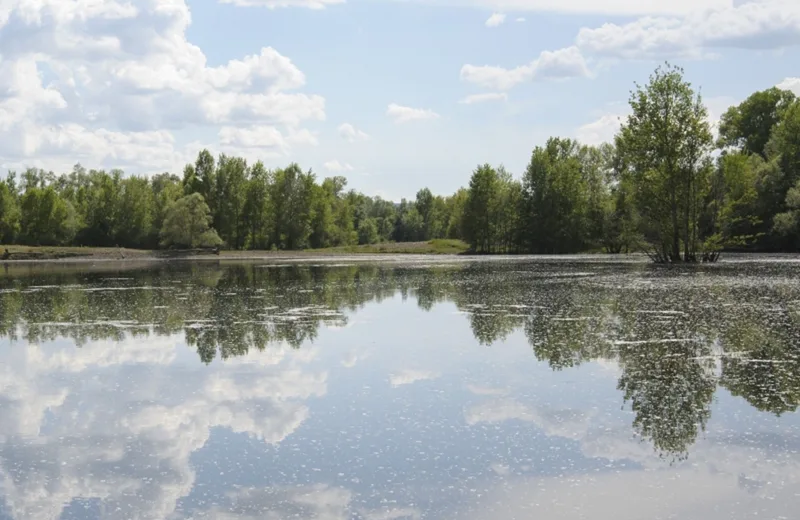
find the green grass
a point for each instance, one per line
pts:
(55, 253)
(433, 247)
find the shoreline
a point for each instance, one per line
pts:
(18, 255)
(388, 251)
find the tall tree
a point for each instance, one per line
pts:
(257, 207)
(456, 206)
(45, 218)
(555, 198)
(666, 142)
(230, 195)
(166, 190)
(787, 223)
(136, 208)
(9, 213)
(479, 211)
(292, 197)
(733, 198)
(748, 126)
(187, 224)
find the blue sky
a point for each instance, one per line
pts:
(393, 94)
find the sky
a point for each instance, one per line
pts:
(395, 95)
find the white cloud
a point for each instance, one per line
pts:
(752, 25)
(264, 139)
(350, 360)
(717, 106)
(520, 20)
(604, 128)
(609, 7)
(601, 130)
(408, 376)
(689, 493)
(60, 146)
(402, 114)
(570, 424)
(496, 20)
(319, 502)
(274, 4)
(396, 513)
(336, 166)
(111, 84)
(486, 390)
(792, 84)
(350, 133)
(480, 98)
(560, 64)
(61, 439)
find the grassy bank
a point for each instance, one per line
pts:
(433, 247)
(67, 253)
(26, 253)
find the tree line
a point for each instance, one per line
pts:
(665, 185)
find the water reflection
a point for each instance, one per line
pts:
(104, 415)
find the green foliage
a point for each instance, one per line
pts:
(230, 194)
(655, 188)
(292, 196)
(166, 190)
(665, 144)
(9, 214)
(368, 231)
(556, 197)
(749, 125)
(187, 224)
(621, 222)
(46, 218)
(785, 144)
(456, 205)
(480, 209)
(136, 205)
(733, 202)
(257, 207)
(787, 223)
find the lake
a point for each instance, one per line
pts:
(419, 388)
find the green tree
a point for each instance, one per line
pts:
(666, 143)
(479, 211)
(368, 231)
(136, 207)
(787, 223)
(385, 214)
(507, 222)
(9, 213)
(187, 224)
(456, 205)
(45, 218)
(412, 225)
(257, 207)
(292, 195)
(555, 198)
(620, 230)
(748, 126)
(166, 190)
(784, 145)
(97, 199)
(733, 201)
(596, 168)
(230, 194)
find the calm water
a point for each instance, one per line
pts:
(424, 389)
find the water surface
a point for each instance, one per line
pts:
(421, 389)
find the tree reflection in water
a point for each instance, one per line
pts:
(675, 335)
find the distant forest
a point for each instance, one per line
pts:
(665, 186)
